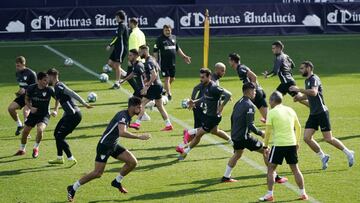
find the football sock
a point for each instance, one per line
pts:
(192, 131)
(119, 178)
(76, 185)
(167, 122)
(138, 121)
(187, 150)
(230, 142)
(321, 154)
(18, 123)
(59, 157)
(22, 147)
(71, 158)
(36, 145)
(228, 171)
(302, 191)
(270, 192)
(347, 151)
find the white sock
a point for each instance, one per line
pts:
(59, 157)
(71, 158)
(22, 147)
(167, 122)
(138, 121)
(76, 185)
(18, 123)
(36, 145)
(192, 131)
(270, 192)
(187, 150)
(228, 171)
(347, 152)
(117, 82)
(321, 154)
(119, 178)
(182, 145)
(302, 191)
(231, 142)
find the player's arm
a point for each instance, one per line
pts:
(297, 130)
(186, 58)
(130, 76)
(113, 41)
(77, 97)
(226, 95)
(252, 76)
(124, 133)
(195, 91)
(313, 91)
(275, 70)
(251, 125)
(156, 49)
(268, 131)
(133, 42)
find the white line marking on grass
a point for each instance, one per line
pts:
(185, 125)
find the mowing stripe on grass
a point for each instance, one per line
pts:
(185, 125)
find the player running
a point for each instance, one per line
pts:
(152, 89)
(242, 123)
(212, 109)
(319, 115)
(37, 99)
(25, 77)
(108, 146)
(71, 117)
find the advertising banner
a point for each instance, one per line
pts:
(343, 18)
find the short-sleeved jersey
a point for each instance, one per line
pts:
(242, 71)
(151, 65)
(282, 119)
(122, 38)
(216, 78)
(212, 98)
(40, 98)
(67, 102)
(316, 103)
(136, 38)
(138, 70)
(241, 117)
(283, 66)
(111, 134)
(167, 48)
(25, 78)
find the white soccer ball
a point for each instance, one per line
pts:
(107, 68)
(68, 62)
(185, 103)
(165, 100)
(92, 97)
(103, 77)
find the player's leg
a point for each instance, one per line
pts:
(167, 85)
(222, 134)
(24, 137)
(260, 103)
(130, 160)
(39, 135)
(270, 183)
(185, 150)
(339, 145)
(171, 80)
(160, 106)
(26, 112)
(310, 141)
(299, 179)
(136, 125)
(231, 164)
(14, 115)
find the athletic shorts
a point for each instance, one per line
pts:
(34, 119)
(67, 124)
(168, 71)
(260, 99)
(322, 120)
(154, 92)
(209, 122)
(278, 153)
(198, 117)
(251, 143)
(20, 100)
(103, 152)
(284, 88)
(137, 93)
(118, 54)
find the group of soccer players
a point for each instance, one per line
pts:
(207, 101)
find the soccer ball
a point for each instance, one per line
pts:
(185, 103)
(165, 100)
(92, 97)
(103, 77)
(107, 68)
(68, 62)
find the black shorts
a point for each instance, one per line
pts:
(118, 54)
(284, 88)
(137, 93)
(198, 116)
(260, 98)
(250, 143)
(209, 122)
(103, 152)
(322, 120)
(20, 100)
(34, 119)
(277, 155)
(67, 124)
(154, 92)
(168, 71)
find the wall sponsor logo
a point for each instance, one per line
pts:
(343, 16)
(15, 26)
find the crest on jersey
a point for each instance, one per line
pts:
(173, 40)
(102, 157)
(44, 94)
(25, 77)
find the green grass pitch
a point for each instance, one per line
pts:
(159, 177)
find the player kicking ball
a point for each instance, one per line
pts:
(108, 146)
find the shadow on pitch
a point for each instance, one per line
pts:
(29, 170)
(168, 148)
(349, 137)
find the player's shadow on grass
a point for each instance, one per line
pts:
(314, 171)
(167, 148)
(121, 104)
(29, 170)
(101, 125)
(13, 160)
(349, 137)
(83, 136)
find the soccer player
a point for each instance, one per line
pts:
(25, 77)
(137, 73)
(212, 109)
(280, 123)
(246, 75)
(165, 50)
(108, 146)
(242, 123)
(71, 117)
(120, 44)
(283, 66)
(37, 99)
(152, 89)
(319, 115)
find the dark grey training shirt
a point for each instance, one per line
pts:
(111, 135)
(317, 104)
(66, 98)
(25, 77)
(212, 98)
(283, 66)
(40, 98)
